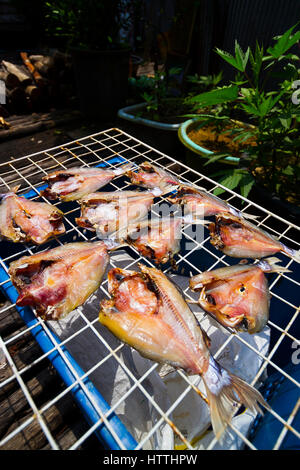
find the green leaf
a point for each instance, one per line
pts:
(286, 122)
(246, 184)
(217, 96)
(215, 157)
(231, 181)
(227, 57)
(284, 43)
(289, 171)
(241, 57)
(256, 61)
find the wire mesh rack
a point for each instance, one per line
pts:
(95, 377)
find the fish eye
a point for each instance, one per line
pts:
(242, 289)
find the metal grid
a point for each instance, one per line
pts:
(100, 148)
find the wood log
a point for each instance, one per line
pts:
(34, 93)
(34, 72)
(44, 64)
(17, 70)
(11, 80)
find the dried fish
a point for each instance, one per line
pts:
(147, 311)
(153, 177)
(237, 296)
(23, 220)
(107, 212)
(74, 183)
(57, 281)
(200, 203)
(239, 238)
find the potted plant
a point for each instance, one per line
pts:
(158, 108)
(91, 30)
(271, 156)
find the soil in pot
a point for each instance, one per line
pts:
(206, 137)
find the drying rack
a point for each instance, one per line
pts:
(112, 148)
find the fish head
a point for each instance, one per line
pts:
(240, 302)
(239, 238)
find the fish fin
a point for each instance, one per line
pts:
(269, 265)
(224, 391)
(124, 168)
(15, 188)
(168, 188)
(190, 219)
(112, 244)
(249, 216)
(157, 192)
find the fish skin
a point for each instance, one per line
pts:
(200, 203)
(147, 311)
(157, 239)
(239, 238)
(107, 212)
(237, 296)
(74, 183)
(153, 177)
(23, 220)
(58, 280)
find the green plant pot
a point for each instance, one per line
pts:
(130, 113)
(195, 148)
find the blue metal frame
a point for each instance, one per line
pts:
(47, 343)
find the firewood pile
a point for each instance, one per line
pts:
(36, 83)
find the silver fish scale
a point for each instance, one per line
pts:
(113, 148)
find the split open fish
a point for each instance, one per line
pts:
(239, 238)
(147, 311)
(107, 212)
(200, 203)
(23, 220)
(237, 296)
(153, 177)
(58, 280)
(71, 184)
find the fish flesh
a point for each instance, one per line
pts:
(157, 239)
(58, 280)
(200, 203)
(237, 296)
(147, 311)
(23, 220)
(107, 212)
(239, 238)
(73, 183)
(153, 177)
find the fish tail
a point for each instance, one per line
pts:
(268, 265)
(292, 253)
(224, 391)
(244, 215)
